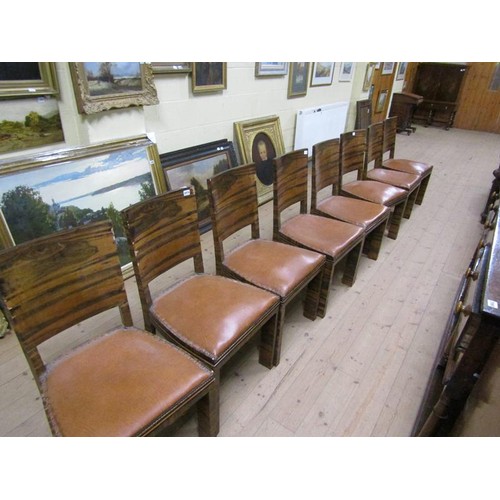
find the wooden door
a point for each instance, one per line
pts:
(382, 89)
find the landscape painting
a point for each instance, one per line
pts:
(193, 166)
(39, 201)
(29, 123)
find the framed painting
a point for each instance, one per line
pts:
(370, 68)
(388, 68)
(382, 97)
(271, 68)
(259, 141)
(30, 122)
(193, 166)
(171, 67)
(101, 86)
(400, 75)
(208, 77)
(297, 79)
(322, 73)
(22, 79)
(58, 190)
(346, 71)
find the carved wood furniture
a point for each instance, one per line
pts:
(372, 217)
(283, 269)
(123, 383)
(337, 240)
(403, 106)
(470, 335)
(209, 316)
(423, 170)
(353, 160)
(375, 172)
(439, 85)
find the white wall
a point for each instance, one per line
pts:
(182, 119)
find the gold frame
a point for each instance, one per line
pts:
(162, 68)
(370, 70)
(202, 89)
(46, 85)
(291, 77)
(246, 131)
(66, 156)
(88, 104)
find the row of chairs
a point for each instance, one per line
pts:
(132, 382)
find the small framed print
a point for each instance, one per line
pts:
(346, 71)
(271, 69)
(322, 73)
(388, 68)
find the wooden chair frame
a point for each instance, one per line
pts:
(53, 283)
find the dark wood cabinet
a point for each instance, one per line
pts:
(403, 106)
(439, 84)
(363, 113)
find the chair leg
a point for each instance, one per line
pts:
(311, 304)
(409, 204)
(328, 270)
(351, 265)
(421, 190)
(267, 344)
(373, 241)
(208, 410)
(279, 334)
(395, 220)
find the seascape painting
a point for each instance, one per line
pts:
(40, 201)
(196, 173)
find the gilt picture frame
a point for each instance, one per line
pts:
(298, 79)
(23, 79)
(208, 77)
(102, 86)
(160, 68)
(259, 141)
(57, 190)
(370, 69)
(193, 166)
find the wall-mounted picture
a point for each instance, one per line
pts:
(208, 77)
(298, 79)
(322, 73)
(259, 141)
(370, 68)
(400, 75)
(346, 71)
(381, 99)
(160, 68)
(388, 68)
(29, 123)
(20, 79)
(101, 86)
(68, 188)
(271, 68)
(193, 166)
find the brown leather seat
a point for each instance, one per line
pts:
(423, 170)
(374, 155)
(353, 159)
(282, 269)
(209, 316)
(123, 383)
(336, 239)
(372, 217)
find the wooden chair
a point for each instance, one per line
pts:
(335, 239)
(352, 159)
(372, 217)
(282, 269)
(211, 317)
(123, 383)
(423, 170)
(374, 154)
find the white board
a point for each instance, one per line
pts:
(320, 123)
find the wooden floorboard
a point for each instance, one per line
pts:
(361, 370)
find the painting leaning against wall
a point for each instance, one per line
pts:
(29, 123)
